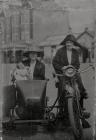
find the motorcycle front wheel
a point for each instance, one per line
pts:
(74, 118)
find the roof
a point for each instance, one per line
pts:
(55, 41)
(52, 40)
(21, 46)
(86, 31)
(15, 45)
(35, 49)
(92, 33)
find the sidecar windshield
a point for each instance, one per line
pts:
(31, 89)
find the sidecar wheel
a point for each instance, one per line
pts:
(21, 112)
(8, 126)
(4, 126)
(75, 121)
(51, 127)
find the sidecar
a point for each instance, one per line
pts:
(25, 102)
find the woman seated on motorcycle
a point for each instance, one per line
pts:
(69, 55)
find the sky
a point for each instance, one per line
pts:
(81, 13)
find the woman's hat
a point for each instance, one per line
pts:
(33, 50)
(72, 38)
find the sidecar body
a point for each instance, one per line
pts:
(26, 101)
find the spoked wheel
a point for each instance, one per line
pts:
(22, 112)
(8, 126)
(75, 121)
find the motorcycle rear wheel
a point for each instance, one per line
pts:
(74, 118)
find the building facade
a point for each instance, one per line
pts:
(31, 25)
(86, 39)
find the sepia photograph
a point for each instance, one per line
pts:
(47, 69)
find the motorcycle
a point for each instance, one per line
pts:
(71, 94)
(28, 101)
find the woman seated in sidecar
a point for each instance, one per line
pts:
(29, 91)
(19, 73)
(29, 68)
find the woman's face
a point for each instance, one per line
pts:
(33, 56)
(69, 45)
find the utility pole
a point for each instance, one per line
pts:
(94, 112)
(95, 44)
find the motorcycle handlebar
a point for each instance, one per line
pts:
(78, 71)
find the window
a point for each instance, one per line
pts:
(9, 56)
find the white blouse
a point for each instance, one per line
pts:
(31, 69)
(69, 54)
